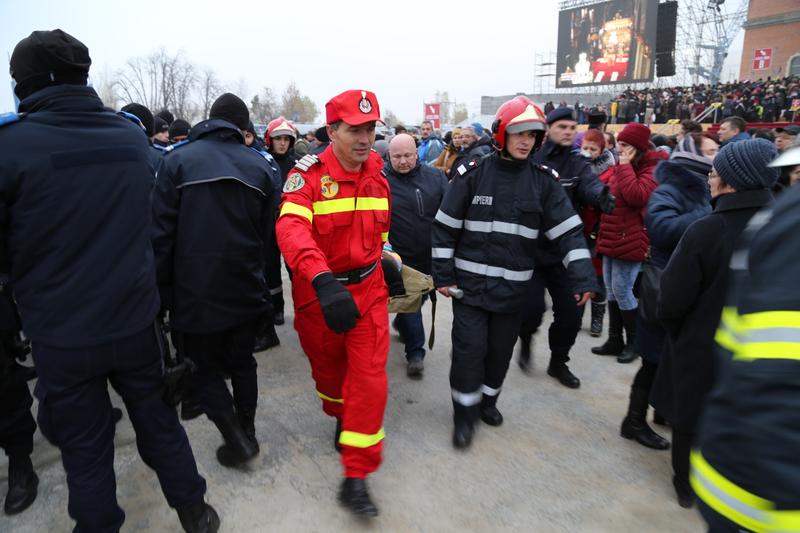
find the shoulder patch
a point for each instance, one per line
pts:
(463, 168)
(178, 144)
(9, 118)
(306, 162)
(549, 170)
(294, 182)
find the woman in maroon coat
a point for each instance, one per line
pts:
(623, 240)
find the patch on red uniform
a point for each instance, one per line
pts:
(294, 182)
(329, 188)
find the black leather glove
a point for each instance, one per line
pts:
(392, 277)
(606, 201)
(337, 303)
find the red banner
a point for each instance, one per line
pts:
(432, 112)
(762, 57)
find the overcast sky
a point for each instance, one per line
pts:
(403, 51)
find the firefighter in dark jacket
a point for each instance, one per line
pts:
(583, 188)
(693, 288)
(213, 215)
(745, 468)
(484, 242)
(417, 191)
(75, 184)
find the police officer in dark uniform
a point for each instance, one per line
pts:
(76, 220)
(484, 245)
(214, 214)
(145, 118)
(582, 187)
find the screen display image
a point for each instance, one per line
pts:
(607, 42)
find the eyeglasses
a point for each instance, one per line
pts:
(713, 174)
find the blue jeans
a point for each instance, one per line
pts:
(619, 276)
(410, 327)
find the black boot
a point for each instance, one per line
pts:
(237, 448)
(489, 413)
(614, 345)
(525, 351)
(190, 409)
(23, 484)
(267, 338)
(463, 425)
(278, 304)
(598, 311)
(562, 373)
(629, 353)
(247, 419)
(634, 426)
(681, 450)
(199, 518)
(354, 496)
(336, 445)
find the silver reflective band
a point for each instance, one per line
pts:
(493, 271)
(501, 227)
(442, 253)
(574, 255)
(467, 398)
(785, 335)
(730, 501)
(447, 220)
(557, 231)
(488, 391)
(275, 291)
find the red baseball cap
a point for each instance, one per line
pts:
(355, 107)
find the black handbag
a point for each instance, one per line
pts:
(649, 289)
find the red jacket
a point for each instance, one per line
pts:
(622, 232)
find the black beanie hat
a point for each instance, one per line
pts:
(143, 114)
(48, 58)
(166, 116)
(179, 128)
(231, 108)
(159, 125)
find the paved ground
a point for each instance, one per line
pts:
(557, 464)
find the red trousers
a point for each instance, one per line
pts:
(350, 371)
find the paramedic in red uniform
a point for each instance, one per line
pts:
(333, 222)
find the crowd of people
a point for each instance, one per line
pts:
(145, 252)
(770, 100)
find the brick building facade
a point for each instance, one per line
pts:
(771, 39)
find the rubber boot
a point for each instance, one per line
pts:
(635, 427)
(247, 419)
(615, 344)
(463, 425)
(629, 353)
(23, 484)
(199, 518)
(525, 352)
(489, 413)
(598, 311)
(238, 449)
(355, 496)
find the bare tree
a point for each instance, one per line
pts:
(297, 107)
(210, 89)
(390, 119)
(460, 113)
(104, 85)
(264, 106)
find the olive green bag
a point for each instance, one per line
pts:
(418, 287)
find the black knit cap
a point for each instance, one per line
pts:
(48, 58)
(159, 125)
(166, 116)
(231, 108)
(143, 114)
(179, 128)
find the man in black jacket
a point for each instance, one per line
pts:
(475, 148)
(579, 182)
(417, 191)
(213, 216)
(75, 184)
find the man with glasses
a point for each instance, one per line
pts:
(417, 191)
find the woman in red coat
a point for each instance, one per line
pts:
(623, 240)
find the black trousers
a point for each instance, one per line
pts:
(16, 422)
(231, 352)
(75, 415)
(566, 313)
(483, 342)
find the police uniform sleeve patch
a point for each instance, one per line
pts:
(306, 162)
(294, 182)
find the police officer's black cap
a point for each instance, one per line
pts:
(596, 118)
(166, 116)
(231, 108)
(560, 113)
(322, 135)
(179, 128)
(48, 58)
(159, 125)
(143, 114)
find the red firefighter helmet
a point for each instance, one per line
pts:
(277, 127)
(516, 115)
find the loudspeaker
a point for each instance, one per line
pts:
(665, 65)
(666, 29)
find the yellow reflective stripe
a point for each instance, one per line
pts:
(770, 319)
(385, 236)
(726, 340)
(360, 440)
(723, 509)
(329, 399)
(700, 464)
(291, 208)
(342, 205)
(763, 335)
(749, 351)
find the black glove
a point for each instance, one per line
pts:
(337, 303)
(606, 201)
(392, 277)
